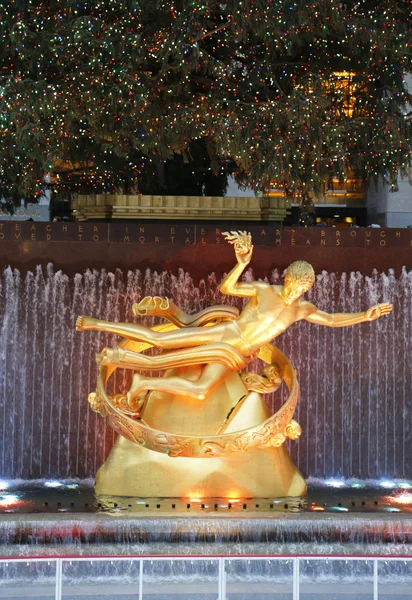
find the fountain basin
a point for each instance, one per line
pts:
(212, 534)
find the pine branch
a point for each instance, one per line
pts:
(212, 32)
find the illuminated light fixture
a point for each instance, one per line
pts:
(404, 498)
(317, 508)
(387, 484)
(72, 486)
(403, 484)
(344, 74)
(195, 500)
(338, 483)
(358, 485)
(392, 509)
(53, 484)
(339, 508)
(9, 500)
(336, 216)
(4, 485)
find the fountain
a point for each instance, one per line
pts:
(352, 410)
(346, 397)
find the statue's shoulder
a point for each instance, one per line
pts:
(307, 308)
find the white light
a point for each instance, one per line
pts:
(72, 486)
(4, 485)
(404, 498)
(339, 508)
(338, 483)
(53, 484)
(8, 500)
(405, 485)
(387, 484)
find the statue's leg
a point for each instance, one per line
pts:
(177, 338)
(181, 357)
(212, 376)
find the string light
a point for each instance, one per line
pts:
(288, 94)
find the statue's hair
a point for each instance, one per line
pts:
(301, 271)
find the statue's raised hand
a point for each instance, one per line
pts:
(378, 311)
(242, 243)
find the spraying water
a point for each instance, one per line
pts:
(356, 382)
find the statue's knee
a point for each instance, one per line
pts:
(157, 338)
(200, 392)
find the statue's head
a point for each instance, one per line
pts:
(299, 278)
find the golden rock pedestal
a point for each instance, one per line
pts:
(143, 473)
(134, 470)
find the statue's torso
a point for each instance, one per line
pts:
(266, 315)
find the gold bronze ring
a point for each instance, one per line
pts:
(271, 432)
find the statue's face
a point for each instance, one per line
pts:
(293, 289)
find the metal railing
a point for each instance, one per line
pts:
(208, 577)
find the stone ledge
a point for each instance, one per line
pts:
(116, 206)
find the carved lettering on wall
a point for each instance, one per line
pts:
(201, 234)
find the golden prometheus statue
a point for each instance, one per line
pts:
(202, 429)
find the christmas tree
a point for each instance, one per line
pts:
(101, 93)
(306, 211)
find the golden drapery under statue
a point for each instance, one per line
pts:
(202, 428)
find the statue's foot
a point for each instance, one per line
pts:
(101, 359)
(120, 402)
(136, 389)
(84, 323)
(135, 405)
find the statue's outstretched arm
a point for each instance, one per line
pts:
(230, 285)
(343, 319)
